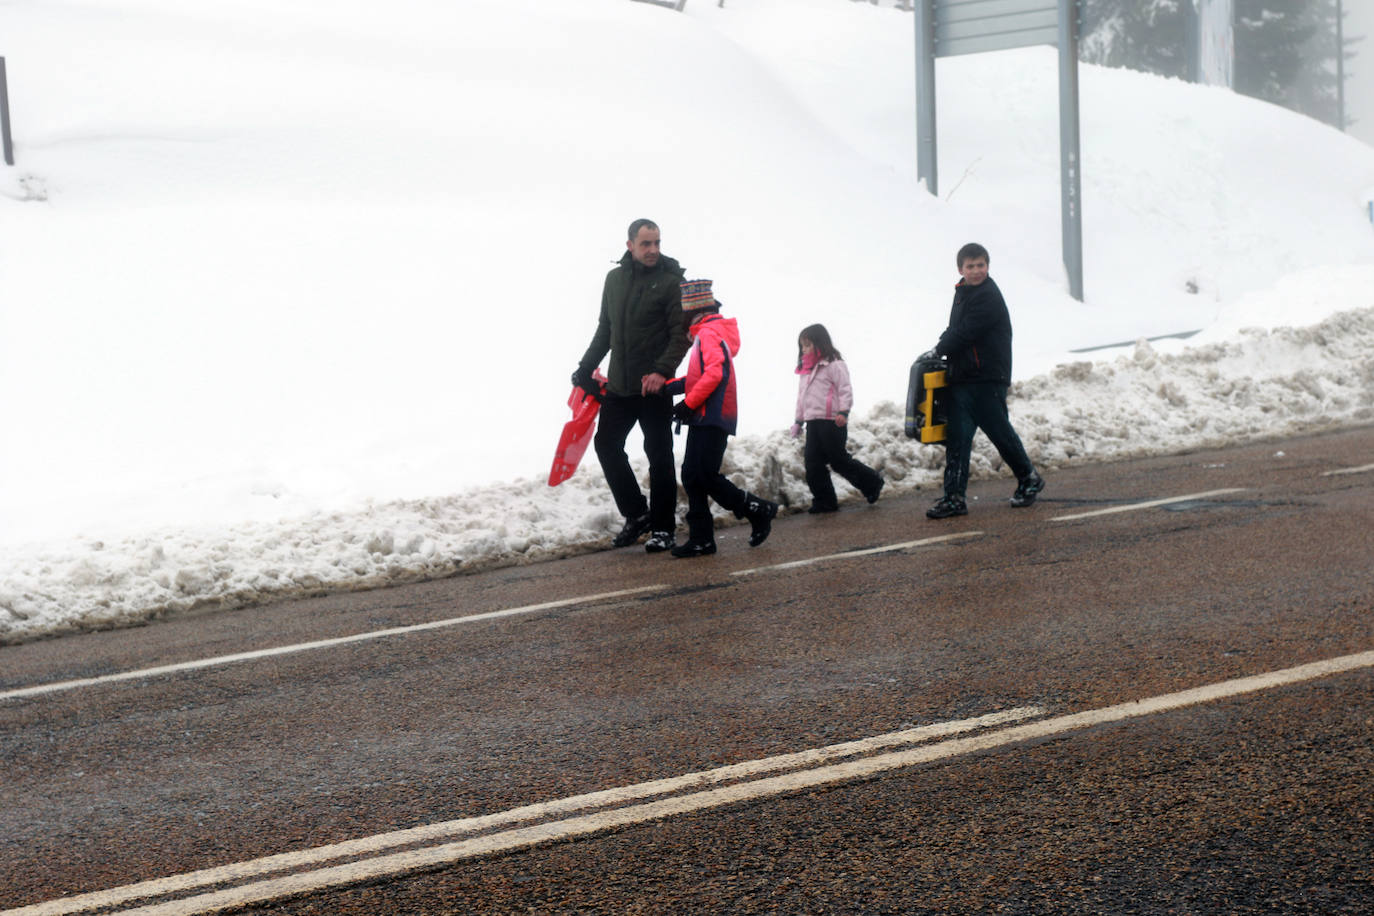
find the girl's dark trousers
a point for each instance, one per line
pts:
(703, 481)
(826, 451)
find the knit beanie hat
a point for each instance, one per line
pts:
(697, 295)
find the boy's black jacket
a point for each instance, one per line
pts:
(978, 339)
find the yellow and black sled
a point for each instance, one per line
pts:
(925, 408)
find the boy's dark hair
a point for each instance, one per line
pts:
(638, 225)
(820, 339)
(969, 252)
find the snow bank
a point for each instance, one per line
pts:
(276, 326)
(1142, 403)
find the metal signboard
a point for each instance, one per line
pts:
(973, 26)
(945, 28)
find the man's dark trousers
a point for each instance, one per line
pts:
(654, 414)
(970, 407)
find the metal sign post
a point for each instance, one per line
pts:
(5, 115)
(945, 28)
(927, 162)
(1070, 162)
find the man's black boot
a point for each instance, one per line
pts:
(659, 541)
(635, 526)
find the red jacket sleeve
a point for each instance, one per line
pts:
(711, 356)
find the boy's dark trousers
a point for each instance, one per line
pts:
(654, 414)
(970, 407)
(826, 449)
(703, 481)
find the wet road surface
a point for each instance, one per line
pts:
(871, 713)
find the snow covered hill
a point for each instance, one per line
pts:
(290, 292)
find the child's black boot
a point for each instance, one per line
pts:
(694, 548)
(760, 513)
(701, 539)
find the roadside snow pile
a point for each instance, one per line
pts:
(1260, 383)
(1264, 383)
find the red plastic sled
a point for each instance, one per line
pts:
(577, 432)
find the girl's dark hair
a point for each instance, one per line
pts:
(820, 339)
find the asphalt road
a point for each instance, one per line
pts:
(1167, 707)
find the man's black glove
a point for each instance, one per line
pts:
(582, 378)
(681, 412)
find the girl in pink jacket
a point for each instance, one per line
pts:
(824, 398)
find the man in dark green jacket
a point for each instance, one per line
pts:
(642, 327)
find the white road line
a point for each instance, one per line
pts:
(1148, 505)
(888, 548)
(1359, 470)
(862, 768)
(256, 868)
(218, 660)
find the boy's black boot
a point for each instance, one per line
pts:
(948, 506)
(760, 513)
(1027, 489)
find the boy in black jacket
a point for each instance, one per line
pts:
(977, 344)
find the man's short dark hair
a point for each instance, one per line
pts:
(969, 252)
(641, 224)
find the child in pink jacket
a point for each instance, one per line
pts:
(824, 398)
